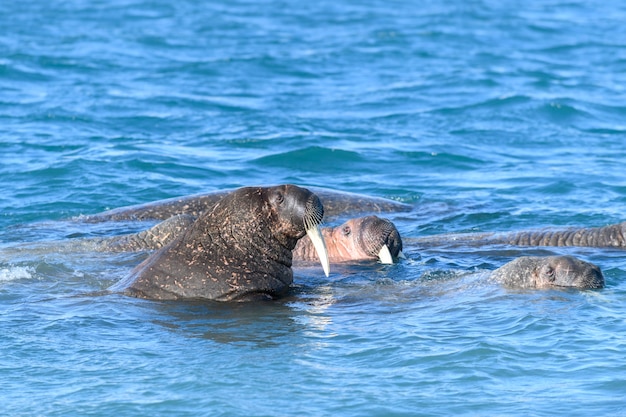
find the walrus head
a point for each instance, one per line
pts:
(241, 249)
(567, 271)
(299, 212)
(549, 272)
(368, 237)
(358, 239)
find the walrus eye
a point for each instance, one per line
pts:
(279, 198)
(550, 273)
(346, 230)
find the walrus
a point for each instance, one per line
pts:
(241, 249)
(335, 204)
(362, 238)
(543, 272)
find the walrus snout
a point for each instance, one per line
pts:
(573, 272)
(594, 279)
(381, 239)
(314, 211)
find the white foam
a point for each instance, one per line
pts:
(16, 272)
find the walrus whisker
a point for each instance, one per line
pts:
(314, 213)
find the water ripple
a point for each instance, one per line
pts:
(483, 115)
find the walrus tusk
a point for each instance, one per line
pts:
(385, 256)
(319, 244)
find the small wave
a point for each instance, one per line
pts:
(13, 273)
(314, 158)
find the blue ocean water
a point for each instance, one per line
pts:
(485, 115)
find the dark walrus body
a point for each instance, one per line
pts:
(239, 250)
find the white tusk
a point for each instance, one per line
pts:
(401, 255)
(385, 256)
(315, 234)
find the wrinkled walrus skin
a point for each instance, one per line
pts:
(610, 236)
(543, 272)
(239, 250)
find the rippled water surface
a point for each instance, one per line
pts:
(484, 115)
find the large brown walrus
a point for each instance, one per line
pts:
(239, 250)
